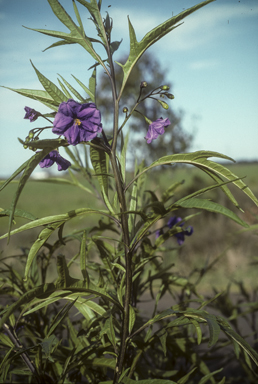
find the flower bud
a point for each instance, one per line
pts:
(144, 84)
(164, 87)
(163, 104)
(31, 134)
(169, 96)
(25, 146)
(125, 110)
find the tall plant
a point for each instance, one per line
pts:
(115, 343)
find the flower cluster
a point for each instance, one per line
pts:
(180, 236)
(55, 157)
(77, 122)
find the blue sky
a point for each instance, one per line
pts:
(211, 60)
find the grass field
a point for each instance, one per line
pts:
(214, 235)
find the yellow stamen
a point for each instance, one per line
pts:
(77, 121)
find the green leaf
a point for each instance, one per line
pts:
(38, 95)
(94, 10)
(124, 144)
(59, 317)
(77, 35)
(16, 173)
(198, 331)
(89, 93)
(211, 207)
(238, 339)
(132, 318)
(209, 376)
(42, 238)
(50, 87)
(99, 163)
(30, 166)
(211, 320)
(67, 94)
(200, 160)
(73, 90)
(104, 362)
(92, 85)
(56, 218)
(85, 306)
(64, 279)
(214, 329)
(138, 48)
(185, 378)
(163, 341)
(18, 213)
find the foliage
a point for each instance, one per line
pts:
(87, 326)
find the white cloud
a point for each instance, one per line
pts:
(203, 64)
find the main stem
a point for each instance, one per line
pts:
(128, 279)
(124, 223)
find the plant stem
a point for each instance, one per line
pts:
(128, 286)
(124, 223)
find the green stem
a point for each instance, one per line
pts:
(124, 224)
(128, 266)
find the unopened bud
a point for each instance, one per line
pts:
(164, 87)
(163, 104)
(31, 134)
(125, 109)
(144, 84)
(25, 146)
(169, 95)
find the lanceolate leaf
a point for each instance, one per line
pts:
(50, 87)
(92, 85)
(99, 163)
(57, 218)
(16, 173)
(77, 35)
(18, 213)
(200, 160)
(212, 207)
(89, 93)
(238, 339)
(38, 95)
(73, 90)
(94, 10)
(42, 238)
(30, 166)
(138, 48)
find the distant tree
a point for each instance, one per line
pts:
(175, 140)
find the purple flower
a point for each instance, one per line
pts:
(54, 157)
(180, 236)
(31, 114)
(77, 122)
(156, 128)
